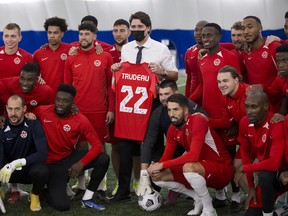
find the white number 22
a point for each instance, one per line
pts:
(137, 109)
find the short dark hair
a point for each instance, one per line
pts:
(237, 26)
(90, 18)
(255, 18)
(143, 17)
(261, 94)
(232, 70)
(282, 48)
(214, 25)
(169, 83)
(56, 21)
(31, 67)
(179, 99)
(121, 22)
(286, 15)
(87, 26)
(67, 88)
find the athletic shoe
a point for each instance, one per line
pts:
(2, 194)
(115, 189)
(91, 204)
(14, 197)
(234, 207)
(208, 213)
(198, 206)
(135, 186)
(34, 202)
(172, 196)
(101, 195)
(217, 203)
(78, 195)
(119, 198)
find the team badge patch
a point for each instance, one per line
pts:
(264, 137)
(97, 63)
(264, 54)
(33, 103)
(17, 60)
(66, 127)
(217, 62)
(63, 56)
(23, 134)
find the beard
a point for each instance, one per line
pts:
(86, 46)
(121, 43)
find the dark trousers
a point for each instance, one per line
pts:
(232, 151)
(58, 175)
(35, 174)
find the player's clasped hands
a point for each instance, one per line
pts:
(115, 67)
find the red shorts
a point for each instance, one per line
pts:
(99, 124)
(216, 175)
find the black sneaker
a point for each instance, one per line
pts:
(217, 203)
(78, 196)
(234, 207)
(101, 195)
(119, 198)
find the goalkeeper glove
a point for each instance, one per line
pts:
(9, 168)
(144, 184)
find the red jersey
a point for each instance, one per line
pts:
(105, 46)
(199, 141)
(11, 65)
(261, 64)
(116, 55)
(234, 108)
(90, 74)
(264, 142)
(39, 95)
(135, 86)
(63, 133)
(52, 64)
(278, 86)
(192, 70)
(208, 88)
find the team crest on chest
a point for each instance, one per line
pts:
(33, 103)
(97, 63)
(264, 137)
(264, 54)
(17, 60)
(217, 62)
(63, 56)
(66, 127)
(23, 134)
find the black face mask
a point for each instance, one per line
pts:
(138, 35)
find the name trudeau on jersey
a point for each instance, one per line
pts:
(138, 77)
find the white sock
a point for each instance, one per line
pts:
(220, 194)
(102, 186)
(198, 183)
(268, 214)
(177, 187)
(236, 197)
(81, 182)
(86, 173)
(88, 195)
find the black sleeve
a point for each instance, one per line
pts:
(193, 108)
(151, 136)
(40, 143)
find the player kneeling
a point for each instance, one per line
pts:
(206, 163)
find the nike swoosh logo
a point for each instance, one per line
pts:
(230, 107)
(45, 120)
(249, 58)
(9, 138)
(43, 59)
(75, 66)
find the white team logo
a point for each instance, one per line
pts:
(23, 134)
(97, 63)
(264, 137)
(63, 56)
(66, 127)
(217, 62)
(33, 103)
(264, 54)
(17, 60)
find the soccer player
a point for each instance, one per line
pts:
(191, 60)
(63, 130)
(262, 147)
(12, 57)
(26, 86)
(206, 163)
(51, 58)
(23, 150)
(159, 59)
(159, 123)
